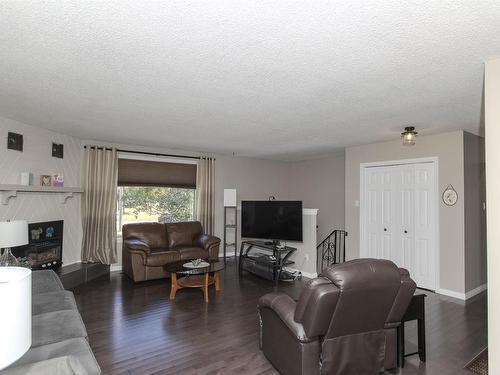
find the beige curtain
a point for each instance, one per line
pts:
(99, 177)
(205, 193)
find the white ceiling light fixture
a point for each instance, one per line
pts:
(409, 136)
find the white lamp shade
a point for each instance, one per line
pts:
(229, 197)
(13, 233)
(15, 314)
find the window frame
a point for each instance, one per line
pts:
(155, 158)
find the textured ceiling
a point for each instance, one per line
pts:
(279, 79)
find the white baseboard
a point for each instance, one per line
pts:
(476, 291)
(462, 296)
(115, 267)
(309, 275)
(451, 293)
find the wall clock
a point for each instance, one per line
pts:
(450, 196)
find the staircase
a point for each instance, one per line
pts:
(331, 250)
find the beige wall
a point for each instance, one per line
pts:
(475, 213)
(492, 132)
(320, 184)
(37, 158)
(448, 148)
(253, 179)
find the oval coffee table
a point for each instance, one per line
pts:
(194, 277)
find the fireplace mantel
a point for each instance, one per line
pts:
(10, 191)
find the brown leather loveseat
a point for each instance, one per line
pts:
(147, 247)
(344, 322)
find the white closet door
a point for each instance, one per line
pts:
(379, 213)
(404, 236)
(399, 218)
(423, 269)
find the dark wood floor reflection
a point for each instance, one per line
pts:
(136, 329)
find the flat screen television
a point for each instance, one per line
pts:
(272, 220)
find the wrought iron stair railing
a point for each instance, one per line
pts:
(331, 250)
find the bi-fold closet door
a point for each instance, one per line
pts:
(398, 218)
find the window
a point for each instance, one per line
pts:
(155, 190)
(154, 203)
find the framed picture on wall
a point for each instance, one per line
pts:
(14, 141)
(57, 150)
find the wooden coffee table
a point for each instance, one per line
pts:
(183, 277)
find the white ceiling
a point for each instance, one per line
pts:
(278, 79)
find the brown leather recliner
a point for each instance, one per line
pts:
(343, 323)
(148, 247)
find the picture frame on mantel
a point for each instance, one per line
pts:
(45, 180)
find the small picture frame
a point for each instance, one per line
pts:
(45, 180)
(14, 141)
(58, 180)
(58, 150)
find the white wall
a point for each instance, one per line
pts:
(492, 131)
(37, 158)
(305, 256)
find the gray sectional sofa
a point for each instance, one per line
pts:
(59, 338)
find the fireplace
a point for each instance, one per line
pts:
(44, 250)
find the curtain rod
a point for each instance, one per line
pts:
(149, 153)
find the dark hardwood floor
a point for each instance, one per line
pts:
(136, 329)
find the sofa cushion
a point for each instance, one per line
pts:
(45, 281)
(182, 234)
(160, 257)
(152, 234)
(67, 365)
(78, 348)
(56, 326)
(135, 244)
(53, 301)
(189, 253)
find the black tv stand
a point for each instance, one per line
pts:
(271, 243)
(269, 262)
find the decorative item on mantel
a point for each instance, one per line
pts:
(26, 178)
(45, 180)
(58, 180)
(12, 233)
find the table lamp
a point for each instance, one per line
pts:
(12, 233)
(15, 314)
